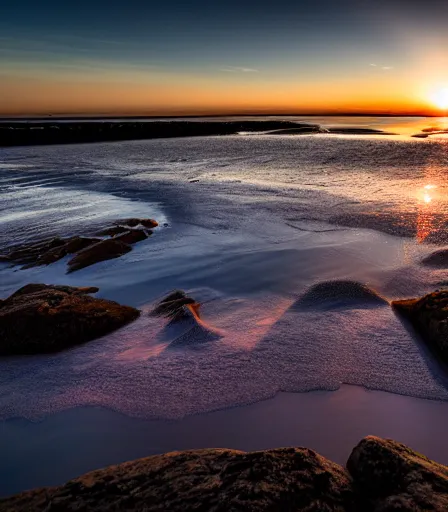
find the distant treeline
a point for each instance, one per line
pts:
(13, 133)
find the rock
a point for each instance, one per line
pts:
(288, 479)
(45, 253)
(114, 230)
(147, 223)
(50, 251)
(173, 305)
(388, 476)
(129, 222)
(104, 250)
(132, 236)
(429, 315)
(41, 318)
(71, 245)
(31, 252)
(49, 257)
(437, 259)
(79, 243)
(381, 476)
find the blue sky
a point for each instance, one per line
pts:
(250, 43)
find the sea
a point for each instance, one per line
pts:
(274, 235)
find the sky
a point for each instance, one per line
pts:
(173, 57)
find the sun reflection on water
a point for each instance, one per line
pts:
(428, 218)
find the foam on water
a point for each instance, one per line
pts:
(252, 242)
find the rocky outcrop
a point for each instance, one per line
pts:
(41, 318)
(429, 315)
(72, 245)
(176, 305)
(132, 236)
(49, 251)
(381, 476)
(388, 476)
(185, 328)
(30, 253)
(102, 251)
(290, 479)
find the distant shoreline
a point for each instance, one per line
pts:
(56, 117)
(49, 132)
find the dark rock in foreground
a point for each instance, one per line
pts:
(388, 476)
(429, 315)
(102, 251)
(381, 476)
(289, 479)
(41, 318)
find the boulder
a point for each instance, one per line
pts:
(388, 476)
(41, 318)
(288, 479)
(174, 306)
(429, 316)
(102, 251)
(132, 236)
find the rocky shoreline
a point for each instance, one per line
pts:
(31, 133)
(88, 249)
(380, 476)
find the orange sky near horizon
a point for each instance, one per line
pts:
(186, 95)
(85, 58)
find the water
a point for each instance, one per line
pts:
(266, 219)
(249, 224)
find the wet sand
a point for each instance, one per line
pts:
(67, 444)
(248, 239)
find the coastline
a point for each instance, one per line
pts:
(248, 249)
(55, 131)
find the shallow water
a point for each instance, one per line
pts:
(70, 443)
(269, 218)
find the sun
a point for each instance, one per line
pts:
(440, 98)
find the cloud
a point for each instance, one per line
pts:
(383, 68)
(236, 69)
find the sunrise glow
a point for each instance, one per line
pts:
(440, 98)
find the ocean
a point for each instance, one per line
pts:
(250, 225)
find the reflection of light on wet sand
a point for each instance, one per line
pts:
(426, 223)
(248, 325)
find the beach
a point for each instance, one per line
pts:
(273, 235)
